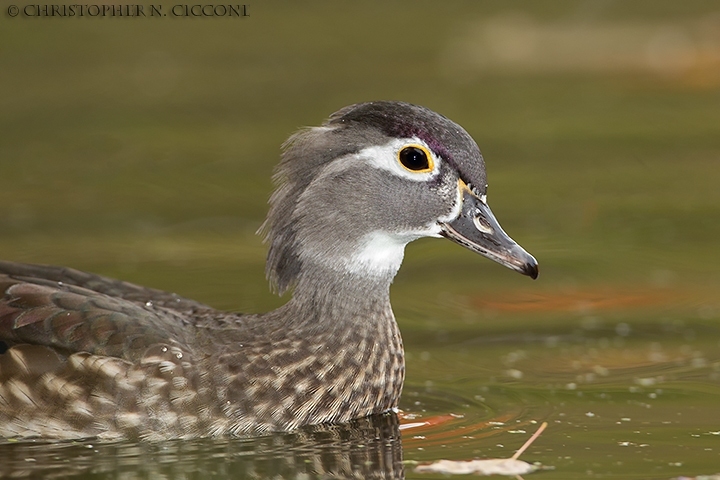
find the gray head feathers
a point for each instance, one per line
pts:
(346, 132)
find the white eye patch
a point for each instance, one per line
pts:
(385, 157)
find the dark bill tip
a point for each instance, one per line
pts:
(530, 269)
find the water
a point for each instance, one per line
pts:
(143, 150)
(642, 404)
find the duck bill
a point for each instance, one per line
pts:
(477, 229)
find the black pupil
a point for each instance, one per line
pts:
(414, 159)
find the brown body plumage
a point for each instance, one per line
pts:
(99, 357)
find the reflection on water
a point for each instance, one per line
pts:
(367, 448)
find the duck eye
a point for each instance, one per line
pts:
(415, 158)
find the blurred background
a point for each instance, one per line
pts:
(143, 148)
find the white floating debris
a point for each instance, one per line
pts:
(495, 466)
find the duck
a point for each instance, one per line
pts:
(86, 356)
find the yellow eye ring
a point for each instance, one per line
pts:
(416, 159)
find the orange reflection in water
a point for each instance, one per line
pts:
(595, 299)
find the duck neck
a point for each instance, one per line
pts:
(328, 298)
(343, 325)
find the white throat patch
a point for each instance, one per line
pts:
(381, 253)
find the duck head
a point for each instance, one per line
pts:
(374, 177)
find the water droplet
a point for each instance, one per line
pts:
(513, 373)
(623, 329)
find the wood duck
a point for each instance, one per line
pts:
(87, 356)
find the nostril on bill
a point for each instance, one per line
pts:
(482, 225)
